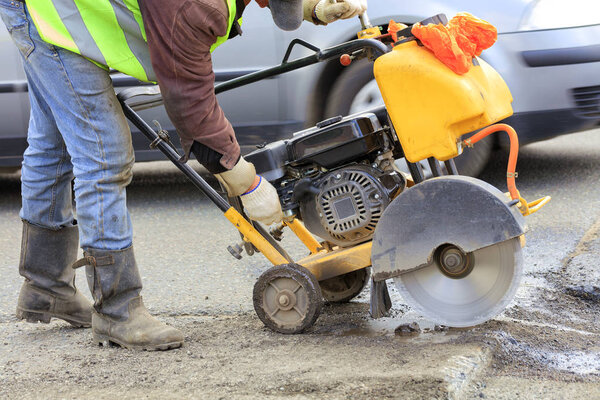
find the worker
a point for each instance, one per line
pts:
(77, 130)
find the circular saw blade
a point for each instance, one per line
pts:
(471, 300)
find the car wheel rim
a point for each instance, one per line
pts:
(367, 97)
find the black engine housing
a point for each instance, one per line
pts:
(332, 176)
(330, 144)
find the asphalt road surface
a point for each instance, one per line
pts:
(545, 345)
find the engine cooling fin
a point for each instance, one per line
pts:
(350, 204)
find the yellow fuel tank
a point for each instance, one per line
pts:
(431, 107)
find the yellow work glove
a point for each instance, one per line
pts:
(259, 197)
(327, 11)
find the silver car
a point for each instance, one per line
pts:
(548, 53)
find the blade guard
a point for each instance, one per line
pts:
(459, 210)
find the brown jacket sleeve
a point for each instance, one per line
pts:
(180, 34)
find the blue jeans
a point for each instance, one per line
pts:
(76, 129)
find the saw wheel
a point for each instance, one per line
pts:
(461, 290)
(343, 288)
(287, 298)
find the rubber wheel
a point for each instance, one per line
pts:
(287, 298)
(356, 90)
(343, 288)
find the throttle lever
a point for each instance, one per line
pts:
(364, 21)
(368, 30)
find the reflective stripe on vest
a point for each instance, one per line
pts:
(108, 32)
(232, 14)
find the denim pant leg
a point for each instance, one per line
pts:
(46, 170)
(89, 118)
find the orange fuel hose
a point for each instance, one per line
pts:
(512, 157)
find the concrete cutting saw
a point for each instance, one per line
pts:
(451, 243)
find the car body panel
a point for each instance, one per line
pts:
(274, 108)
(14, 106)
(538, 88)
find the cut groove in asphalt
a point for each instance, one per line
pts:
(463, 370)
(580, 275)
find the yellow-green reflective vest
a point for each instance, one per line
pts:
(108, 32)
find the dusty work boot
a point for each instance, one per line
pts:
(120, 316)
(49, 288)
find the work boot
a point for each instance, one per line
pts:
(120, 316)
(49, 288)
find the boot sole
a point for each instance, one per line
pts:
(45, 318)
(107, 341)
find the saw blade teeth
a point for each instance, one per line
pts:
(481, 295)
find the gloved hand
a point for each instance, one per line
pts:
(259, 197)
(261, 203)
(328, 11)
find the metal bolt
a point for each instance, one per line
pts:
(338, 176)
(452, 260)
(289, 213)
(284, 301)
(376, 195)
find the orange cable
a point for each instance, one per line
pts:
(512, 157)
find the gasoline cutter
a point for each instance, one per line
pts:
(452, 244)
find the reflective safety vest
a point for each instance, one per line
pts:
(108, 32)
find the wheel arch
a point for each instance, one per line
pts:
(319, 94)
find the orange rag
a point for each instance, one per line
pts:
(394, 28)
(457, 43)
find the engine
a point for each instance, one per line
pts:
(349, 204)
(337, 177)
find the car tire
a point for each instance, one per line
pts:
(357, 79)
(9, 170)
(356, 90)
(473, 160)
